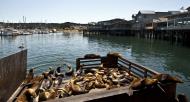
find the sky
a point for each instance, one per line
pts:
(80, 11)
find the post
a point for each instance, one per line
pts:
(129, 68)
(145, 73)
(77, 64)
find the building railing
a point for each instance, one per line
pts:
(178, 23)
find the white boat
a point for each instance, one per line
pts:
(26, 33)
(10, 32)
(45, 31)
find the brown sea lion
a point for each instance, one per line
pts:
(76, 88)
(46, 95)
(114, 54)
(166, 78)
(142, 83)
(89, 75)
(136, 84)
(29, 76)
(99, 84)
(27, 96)
(90, 56)
(88, 79)
(62, 92)
(89, 85)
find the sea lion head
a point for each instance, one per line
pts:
(58, 69)
(30, 94)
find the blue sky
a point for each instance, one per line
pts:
(80, 11)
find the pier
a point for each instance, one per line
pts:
(171, 26)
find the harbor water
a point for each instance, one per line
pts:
(46, 50)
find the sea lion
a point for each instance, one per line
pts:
(100, 72)
(70, 71)
(51, 70)
(57, 81)
(89, 75)
(91, 56)
(58, 72)
(99, 84)
(88, 79)
(27, 96)
(166, 78)
(76, 88)
(62, 92)
(149, 81)
(89, 85)
(99, 81)
(46, 95)
(29, 76)
(142, 83)
(114, 54)
(47, 82)
(136, 84)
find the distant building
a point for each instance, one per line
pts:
(92, 23)
(188, 9)
(111, 22)
(144, 17)
(176, 21)
(111, 25)
(1, 24)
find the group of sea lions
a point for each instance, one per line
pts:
(51, 84)
(43, 87)
(155, 81)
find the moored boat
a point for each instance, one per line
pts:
(10, 32)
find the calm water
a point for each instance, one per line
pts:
(55, 49)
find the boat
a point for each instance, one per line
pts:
(10, 32)
(26, 33)
(99, 78)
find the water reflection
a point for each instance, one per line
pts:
(55, 49)
(159, 55)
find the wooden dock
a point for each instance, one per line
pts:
(12, 73)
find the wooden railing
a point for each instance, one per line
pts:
(136, 69)
(85, 63)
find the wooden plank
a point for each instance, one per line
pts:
(16, 93)
(83, 61)
(96, 64)
(94, 95)
(13, 69)
(137, 69)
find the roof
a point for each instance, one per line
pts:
(113, 21)
(146, 12)
(174, 12)
(178, 14)
(188, 8)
